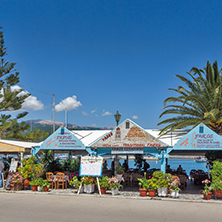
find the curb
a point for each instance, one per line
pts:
(120, 196)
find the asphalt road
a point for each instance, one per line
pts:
(57, 208)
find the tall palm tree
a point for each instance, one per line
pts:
(199, 101)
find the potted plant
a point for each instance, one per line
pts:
(207, 191)
(114, 185)
(152, 186)
(104, 184)
(16, 181)
(143, 186)
(174, 191)
(163, 182)
(30, 169)
(75, 182)
(89, 184)
(45, 185)
(216, 185)
(34, 184)
(119, 172)
(216, 174)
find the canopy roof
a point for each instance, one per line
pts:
(128, 135)
(201, 138)
(12, 146)
(61, 140)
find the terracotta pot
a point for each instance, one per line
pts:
(152, 193)
(218, 193)
(16, 187)
(34, 188)
(103, 190)
(26, 183)
(143, 192)
(207, 197)
(45, 189)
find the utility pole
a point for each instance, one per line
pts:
(53, 113)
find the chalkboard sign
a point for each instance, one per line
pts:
(13, 165)
(91, 166)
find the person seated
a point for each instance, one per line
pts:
(125, 165)
(168, 169)
(179, 169)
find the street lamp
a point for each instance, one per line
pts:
(117, 117)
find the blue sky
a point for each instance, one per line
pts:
(98, 57)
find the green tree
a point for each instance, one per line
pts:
(199, 101)
(36, 135)
(11, 99)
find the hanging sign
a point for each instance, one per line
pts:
(127, 150)
(91, 166)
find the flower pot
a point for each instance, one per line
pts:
(102, 190)
(26, 183)
(119, 176)
(115, 191)
(34, 187)
(39, 188)
(175, 193)
(152, 193)
(207, 197)
(90, 188)
(16, 187)
(218, 193)
(162, 191)
(143, 192)
(45, 189)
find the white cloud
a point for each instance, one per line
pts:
(135, 117)
(84, 113)
(93, 111)
(93, 124)
(31, 103)
(106, 113)
(68, 104)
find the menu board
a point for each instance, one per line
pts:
(91, 166)
(13, 165)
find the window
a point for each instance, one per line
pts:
(201, 129)
(127, 125)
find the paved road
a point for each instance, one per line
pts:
(44, 208)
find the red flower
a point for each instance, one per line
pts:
(30, 169)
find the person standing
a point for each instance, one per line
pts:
(146, 166)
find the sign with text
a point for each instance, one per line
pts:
(128, 135)
(62, 139)
(200, 137)
(127, 150)
(13, 165)
(91, 166)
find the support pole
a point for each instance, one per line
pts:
(116, 164)
(163, 162)
(21, 158)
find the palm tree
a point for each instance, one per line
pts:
(199, 102)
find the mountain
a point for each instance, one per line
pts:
(47, 125)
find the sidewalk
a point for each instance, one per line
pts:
(122, 194)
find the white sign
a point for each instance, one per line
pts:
(124, 150)
(91, 166)
(13, 165)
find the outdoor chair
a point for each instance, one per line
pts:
(60, 180)
(49, 177)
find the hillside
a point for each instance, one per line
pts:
(47, 125)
